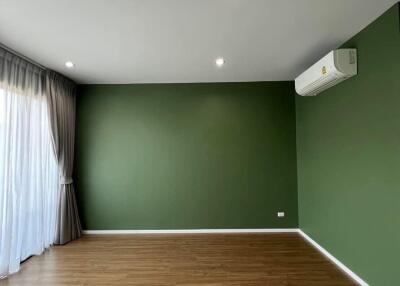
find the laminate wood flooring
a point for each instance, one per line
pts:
(276, 259)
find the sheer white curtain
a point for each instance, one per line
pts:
(29, 191)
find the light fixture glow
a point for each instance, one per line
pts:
(220, 62)
(69, 64)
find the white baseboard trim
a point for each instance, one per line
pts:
(354, 276)
(192, 231)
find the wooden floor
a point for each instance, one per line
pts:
(201, 259)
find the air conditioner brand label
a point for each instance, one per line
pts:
(323, 70)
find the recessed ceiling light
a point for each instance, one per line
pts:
(69, 64)
(220, 62)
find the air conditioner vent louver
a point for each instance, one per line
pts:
(335, 67)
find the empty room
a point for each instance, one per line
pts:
(200, 142)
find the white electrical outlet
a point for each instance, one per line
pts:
(281, 214)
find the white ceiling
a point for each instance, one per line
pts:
(140, 41)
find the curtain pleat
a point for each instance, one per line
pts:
(20, 76)
(68, 224)
(60, 93)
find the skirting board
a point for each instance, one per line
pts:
(191, 231)
(354, 276)
(343, 267)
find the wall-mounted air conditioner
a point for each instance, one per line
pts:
(335, 67)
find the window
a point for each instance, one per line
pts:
(28, 179)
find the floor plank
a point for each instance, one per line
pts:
(278, 259)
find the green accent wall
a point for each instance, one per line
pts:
(348, 154)
(186, 156)
(223, 155)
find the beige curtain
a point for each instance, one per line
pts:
(60, 93)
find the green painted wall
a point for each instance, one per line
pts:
(172, 156)
(348, 146)
(176, 156)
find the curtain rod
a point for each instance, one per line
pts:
(22, 56)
